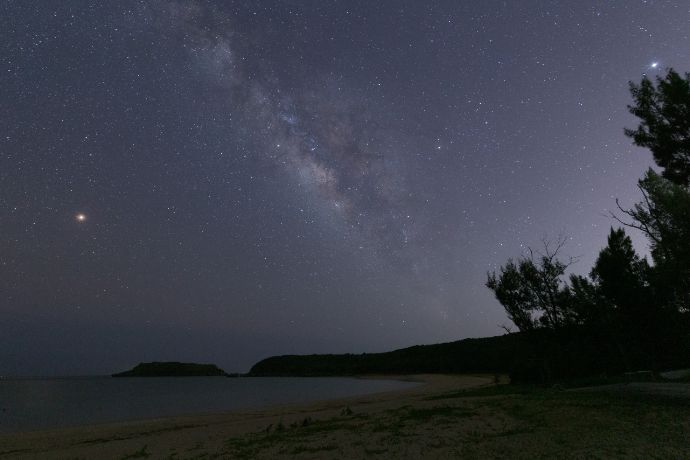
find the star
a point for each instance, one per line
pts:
(654, 65)
(80, 217)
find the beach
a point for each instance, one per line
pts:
(445, 416)
(201, 435)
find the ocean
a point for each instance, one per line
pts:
(39, 404)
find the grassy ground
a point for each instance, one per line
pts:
(496, 422)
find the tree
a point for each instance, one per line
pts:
(622, 277)
(664, 214)
(664, 111)
(513, 292)
(664, 217)
(587, 304)
(633, 316)
(532, 291)
(627, 314)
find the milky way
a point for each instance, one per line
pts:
(262, 178)
(327, 142)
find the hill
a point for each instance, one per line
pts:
(172, 369)
(489, 354)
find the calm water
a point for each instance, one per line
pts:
(51, 403)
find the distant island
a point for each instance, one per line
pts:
(173, 369)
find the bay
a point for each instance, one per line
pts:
(39, 404)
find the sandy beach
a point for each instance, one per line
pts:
(218, 435)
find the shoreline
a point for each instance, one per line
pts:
(161, 436)
(257, 406)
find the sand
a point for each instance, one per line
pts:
(328, 429)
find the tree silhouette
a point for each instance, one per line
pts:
(664, 214)
(627, 314)
(532, 291)
(620, 274)
(664, 111)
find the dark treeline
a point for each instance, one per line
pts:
(489, 354)
(627, 314)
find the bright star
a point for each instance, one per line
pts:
(654, 65)
(81, 217)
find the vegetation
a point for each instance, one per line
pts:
(490, 354)
(664, 112)
(172, 369)
(141, 453)
(493, 422)
(627, 314)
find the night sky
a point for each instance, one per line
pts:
(224, 181)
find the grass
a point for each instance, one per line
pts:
(685, 379)
(139, 434)
(436, 413)
(141, 453)
(302, 448)
(498, 421)
(493, 390)
(296, 439)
